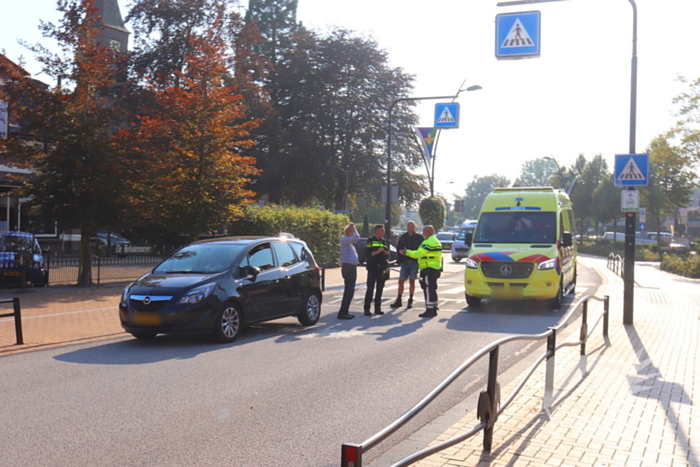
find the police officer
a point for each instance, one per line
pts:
(377, 261)
(429, 256)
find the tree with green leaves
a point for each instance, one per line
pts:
(671, 180)
(537, 172)
(432, 212)
(688, 125)
(585, 177)
(476, 192)
(81, 172)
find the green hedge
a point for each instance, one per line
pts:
(320, 229)
(688, 266)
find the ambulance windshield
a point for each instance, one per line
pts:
(517, 226)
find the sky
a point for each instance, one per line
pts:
(574, 99)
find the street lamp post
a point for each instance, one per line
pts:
(387, 233)
(559, 171)
(346, 187)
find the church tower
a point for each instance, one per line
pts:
(112, 33)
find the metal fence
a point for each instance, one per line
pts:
(489, 406)
(63, 270)
(616, 264)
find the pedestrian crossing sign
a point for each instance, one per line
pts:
(447, 115)
(518, 35)
(632, 170)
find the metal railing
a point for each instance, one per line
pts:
(616, 264)
(63, 270)
(489, 406)
(17, 313)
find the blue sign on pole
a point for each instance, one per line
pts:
(447, 115)
(631, 169)
(518, 35)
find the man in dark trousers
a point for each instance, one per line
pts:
(377, 262)
(411, 240)
(429, 256)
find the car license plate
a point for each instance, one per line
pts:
(13, 273)
(146, 319)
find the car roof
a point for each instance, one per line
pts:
(9, 233)
(245, 240)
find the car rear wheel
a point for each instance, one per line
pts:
(311, 309)
(472, 301)
(228, 324)
(144, 335)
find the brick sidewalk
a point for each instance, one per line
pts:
(630, 402)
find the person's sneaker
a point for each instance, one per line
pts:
(397, 303)
(345, 316)
(377, 311)
(368, 313)
(410, 303)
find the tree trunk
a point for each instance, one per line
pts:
(85, 259)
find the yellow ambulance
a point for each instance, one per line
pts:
(522, 247)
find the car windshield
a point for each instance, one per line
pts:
(516, 227)
(204, 258)
(16, 243)
(463, 233)
(445, 236)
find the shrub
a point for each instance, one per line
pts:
(320, 229)
(688, 266)
(432, 212)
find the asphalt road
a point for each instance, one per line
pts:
(281, 395)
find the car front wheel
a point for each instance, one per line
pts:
(472, 301)
(228, 324)
(311, 309)
(558, 300)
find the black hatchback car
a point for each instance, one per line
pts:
(216, 286)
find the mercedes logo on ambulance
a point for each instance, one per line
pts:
(506, 270)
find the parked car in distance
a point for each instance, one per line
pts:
(360, 247)
(219, 285)
(447, 239)
(22, 260)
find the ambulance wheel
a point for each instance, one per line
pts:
(472, 301)
(557, 301)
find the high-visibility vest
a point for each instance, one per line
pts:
(428, 254)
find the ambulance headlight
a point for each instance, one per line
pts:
(549, 264)
(471, 264)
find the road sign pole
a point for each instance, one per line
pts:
(628, 308)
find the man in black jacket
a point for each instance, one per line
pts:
(411, 240)
(377, 261)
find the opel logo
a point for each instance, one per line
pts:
(506, 270)
(147, 300)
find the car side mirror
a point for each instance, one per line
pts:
(468, 238)
(567, 240)
(250, 272)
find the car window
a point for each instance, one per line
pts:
(285, 254)
(16, 243)
(203, 258)
(261, 257)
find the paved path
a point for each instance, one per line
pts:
(634, 401)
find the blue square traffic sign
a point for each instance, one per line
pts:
(447, 115)
(631, 169)
(518, 35)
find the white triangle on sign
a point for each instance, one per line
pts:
(517, 37)
(446, 116)
(631, 171)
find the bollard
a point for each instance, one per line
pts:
(18, 321)
(584, 327)
(549, 371)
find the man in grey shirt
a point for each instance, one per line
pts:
(348, 265)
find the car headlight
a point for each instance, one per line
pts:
(125, 293)
(471, 264)
(196, 295)
(549, 264)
